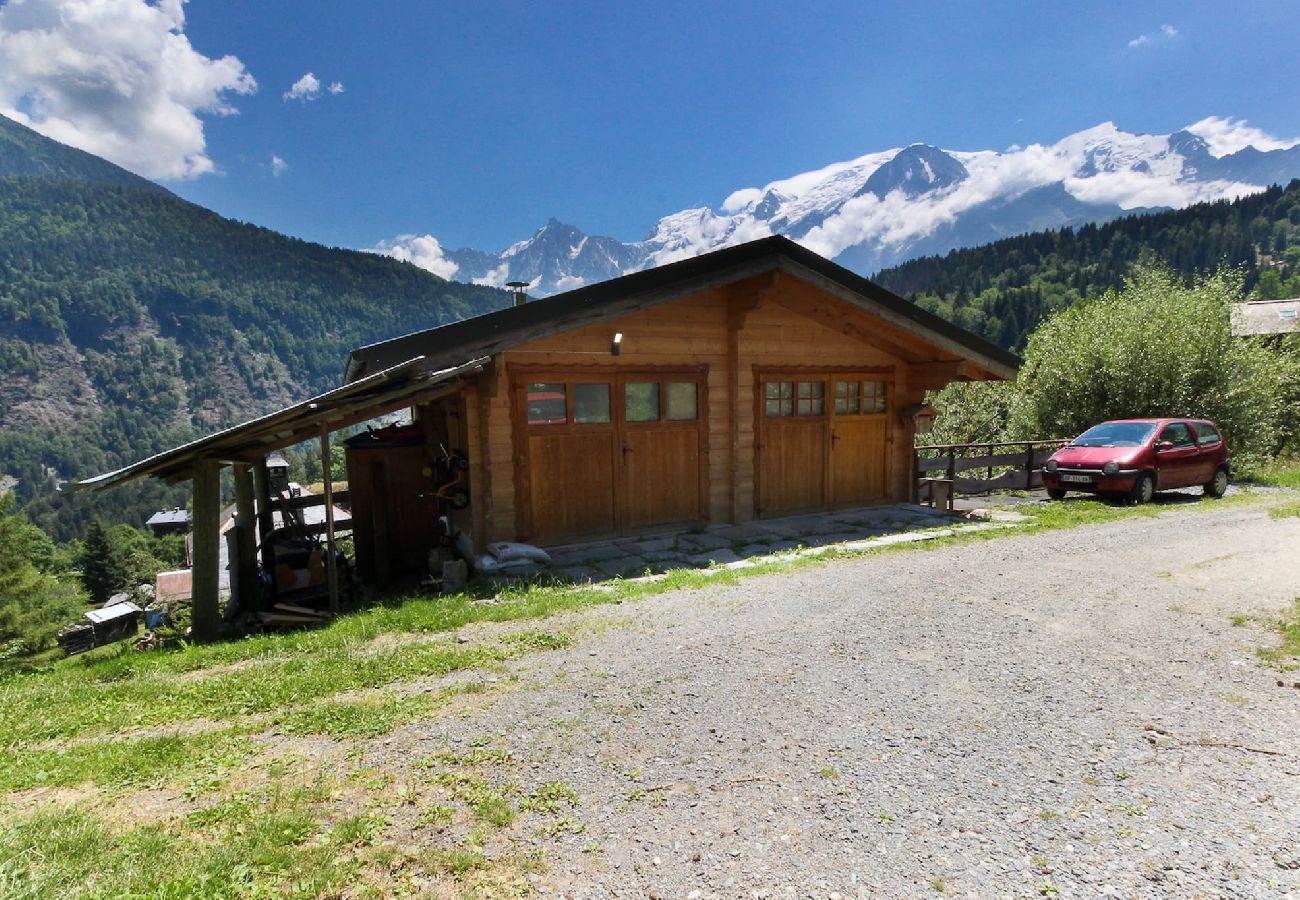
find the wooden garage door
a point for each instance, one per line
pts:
(823, 442)
(610, 454)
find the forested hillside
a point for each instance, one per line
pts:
(1003, 290)
(131, 320)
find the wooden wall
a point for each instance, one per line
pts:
(737, 331)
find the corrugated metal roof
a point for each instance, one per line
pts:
(394, 385)
(109, 613)
(1266, 317)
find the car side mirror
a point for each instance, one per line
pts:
(1165, 445)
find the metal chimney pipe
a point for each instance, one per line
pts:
(517, 288)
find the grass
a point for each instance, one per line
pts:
(1281, 473)
(1286, 655)
(247, 768)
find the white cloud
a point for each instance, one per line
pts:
(1166, 33)
(309, 87)
(423, 251)
(1227, 135)
(305, 88)
(278, 166)
(117, 78)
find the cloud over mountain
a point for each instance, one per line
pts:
(892, 205)
(117, 78)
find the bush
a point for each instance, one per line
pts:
(1159, 347)
(33, 603)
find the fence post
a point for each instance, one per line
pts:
(1029, 465)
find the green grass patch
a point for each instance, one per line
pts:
(114, 764)
(1286, 655)
(550, 798)
(1281, 473)
(1285, 510)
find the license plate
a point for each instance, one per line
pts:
(1077, 479)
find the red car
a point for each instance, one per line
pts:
(1137, 457)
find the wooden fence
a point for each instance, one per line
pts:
(1004, 466)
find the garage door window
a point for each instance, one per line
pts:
(591, 404)
(778, 399)
(683, 401)
(853, 398)
(812, 398)
(547, 404)
(642, 399)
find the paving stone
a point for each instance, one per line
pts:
(623, 565)
(703, 541)
(733, 533)
(592, 553)
(839, 537)
(652, 545)
(756, 549)
(663, 555)
(711, 557)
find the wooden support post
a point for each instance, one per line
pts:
(207, 553)
(246, 584)
(331, 571)
(262, 488)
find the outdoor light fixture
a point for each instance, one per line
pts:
(615, 347)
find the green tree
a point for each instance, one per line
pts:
(33, 603)
(103, 571)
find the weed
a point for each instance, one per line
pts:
(830, 773)
(436, 814)
(884, 817)
(1049, 815)
(1122, 775)
(1286, 655)
(550, 797)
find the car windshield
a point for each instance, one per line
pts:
(1115, 434)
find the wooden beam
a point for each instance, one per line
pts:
(262, 492)
(246, 583)
(331, 570)
(206, 615)
(848, 321)
(934, 375)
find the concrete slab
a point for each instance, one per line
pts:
(651, 545)
(746, 532)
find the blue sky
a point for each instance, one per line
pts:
(478, 121)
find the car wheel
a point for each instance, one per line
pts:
(1143, 489)
(1217, 486)
(1056, 493)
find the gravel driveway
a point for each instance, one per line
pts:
(1070, 712)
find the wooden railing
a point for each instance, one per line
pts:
(1006, 465)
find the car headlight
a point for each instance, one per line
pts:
(1051, 465)
(1110, 468)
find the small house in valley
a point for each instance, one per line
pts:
(756, 381)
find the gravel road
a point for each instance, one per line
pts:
(1070, 713)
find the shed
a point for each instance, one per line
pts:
(1265, 317)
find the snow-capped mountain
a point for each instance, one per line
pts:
(883, 208)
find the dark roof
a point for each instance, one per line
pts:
(380, 392)
(496, 331)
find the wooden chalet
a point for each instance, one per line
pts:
(756, 381)
(760, 380)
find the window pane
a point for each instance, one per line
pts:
(547, 404)
(773, 409)
(591, 404)
(683, 401)
(642, 399)
(812, 398)
(846, 389)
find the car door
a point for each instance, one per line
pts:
(1209, 446)
(1176, 456)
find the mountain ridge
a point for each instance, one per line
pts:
(886, 207)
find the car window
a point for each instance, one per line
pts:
(1115, 434)
(1206, 433)
(1179, 434)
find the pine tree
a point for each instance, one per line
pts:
(102, 571)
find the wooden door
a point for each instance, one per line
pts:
(660, 422)
(859, 426)
(569, 457)
(793, 446)
(610, 454)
